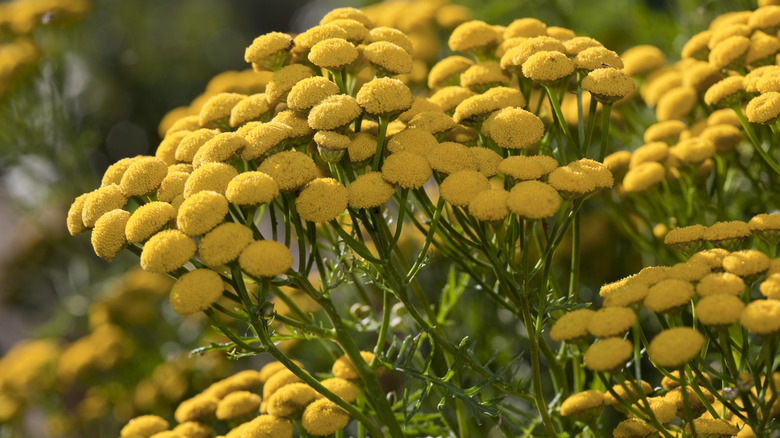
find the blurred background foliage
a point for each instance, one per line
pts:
(98, 81)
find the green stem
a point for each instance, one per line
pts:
(605, 112)
(753, 139)
(561, 121)
(380, 142)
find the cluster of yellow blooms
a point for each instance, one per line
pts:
(725, 71)
(51, 368)
(234, 408)
(713, 289)
(18, 18)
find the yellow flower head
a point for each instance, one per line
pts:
(144, 175)
(147, 220)
(305, 41)
(483, 76)
(322, 200)
(693, 150)
(719, 310)
(251, 188)
(721, 33)
(361, 147)
(761, 317)
(688, 271)
(189, 145)
(608, 85)
(237, 405)
(100, 202)
(186, 123)
(290, 169)
(434, 122)
(618, 162)
(345, 369)
(172, 186)
(697, 47)
(198, 408)
(561, 33)
(631, 396)
(611, 321)
(634, 428)
(216, 111)
(385, 96)
(573, 326)
(265, 258)
(247, 380)
(195, 291)
(514, 128)
(724, 93)
(248, 109)
(145, 425)
(667, 132)
(450, 157)
(673, 348)
(220, 148)
(729, 51)
(264, 139)
(323, 417)
(461, 187)
(720, 283)
(447, 71)
(388, 57)
(224, 244)
(201, 212)
(296, 122)
(191, 429)
(209, 177)
(283, 80)
(627, 295)
(525, 27)
(167, 251)
(663, 409)
(571, 182)
(770, 287)
(268, 426)
(701, 76)
(114, 173)
(642, 59)
(391, 35)
(668, 295)
(763, 108)
(575, 45)
(490, 205)
(762, 47)
(357, 32)
(712, 257)
(334, 112)
(450, 97)
(269, 51)
(74, 221)
(746, 263)
(369, 190)
(729, 234)
(676, 103)
(533, 200)
(309, 92)
(608, 355)
(342, 388)
(597, 57)
(521, 168)
(108, 237)
(713, 427)
(725, 137)
(598, 172)
(347, 13)
(481, 105)
(473, 36)
(514, 58)
(289, 399)
(547, 67)
(643, 177)
(583, 406)
(333, 53)
(487, 160)
(685, 235)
